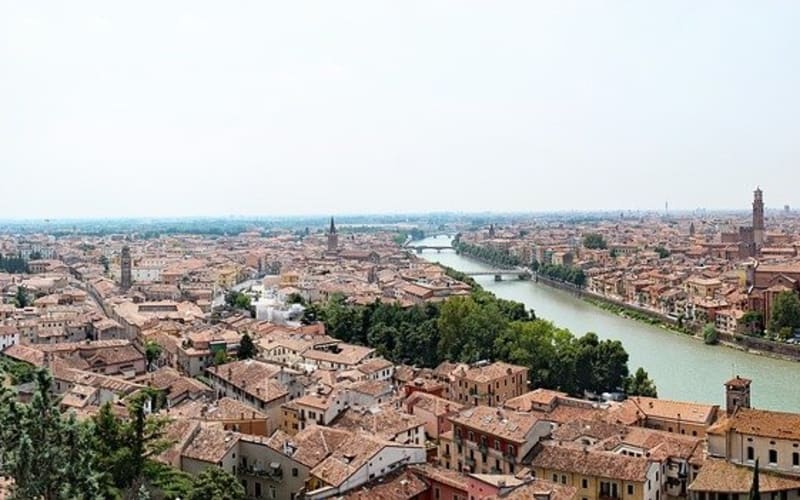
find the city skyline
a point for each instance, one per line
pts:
(281, 109)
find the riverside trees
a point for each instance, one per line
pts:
(476, 327)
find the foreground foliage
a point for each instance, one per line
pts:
(51, 455)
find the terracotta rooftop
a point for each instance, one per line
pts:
(384, 422)
(488, 373)
(311, 445)
(765, 423)
(537, 397)
(401, 485)
(433, 404)
(738, 382)
(592, 463)
(539, 488)
(721, 476)
(510, 425)
(695, 413)
(211, 444)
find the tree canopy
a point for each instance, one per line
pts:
(215, 483)
(785, 314)
(594, 241)
(559, 272)
(476, 327)
(51, 455)
(488, 254)
(639, 384)
(13, 265)
(237, 300)
(710, 335)
(48, 454)
(247, 349)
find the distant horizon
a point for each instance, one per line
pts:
(699, 212)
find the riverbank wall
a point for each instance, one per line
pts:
(753, 345)
(595, 298)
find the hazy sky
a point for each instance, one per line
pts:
(292, 107)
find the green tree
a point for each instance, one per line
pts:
(220, 357)
(785, 313)
(639, 384)
(594, 241)
(755, 322)
(152, 351)
(47, 454)
(662, 252)
(295, 298)
(104, 262)
(247, 349)
(214, 483)
(710, 335)
(21, 298)
(124, 447)
(237, 300)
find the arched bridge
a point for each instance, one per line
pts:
(519, 273)
(438, 248)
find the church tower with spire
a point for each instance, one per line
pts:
(333, 239)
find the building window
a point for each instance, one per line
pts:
(471, 436)
(773, 457)
(436, 493)
(584, 483)
(750, 453)
(630, 489)
(258, 489)
(294, 471)
(796, 459)
(496, 444)
(555, 478)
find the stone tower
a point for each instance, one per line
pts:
(758, 218)
(125, 265)
(691, 229)
(737, 394)
(333, 238)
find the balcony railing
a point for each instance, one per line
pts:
(276, 474)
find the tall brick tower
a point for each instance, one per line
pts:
(333, 238)
(758, 218)
(125, 268)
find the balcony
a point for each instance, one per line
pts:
(273, 471)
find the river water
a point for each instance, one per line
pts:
(682, 368)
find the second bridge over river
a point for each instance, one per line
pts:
(518, 273)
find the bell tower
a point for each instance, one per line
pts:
(758, 218)
(333, 238)
(737, 394)
(125, 268)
